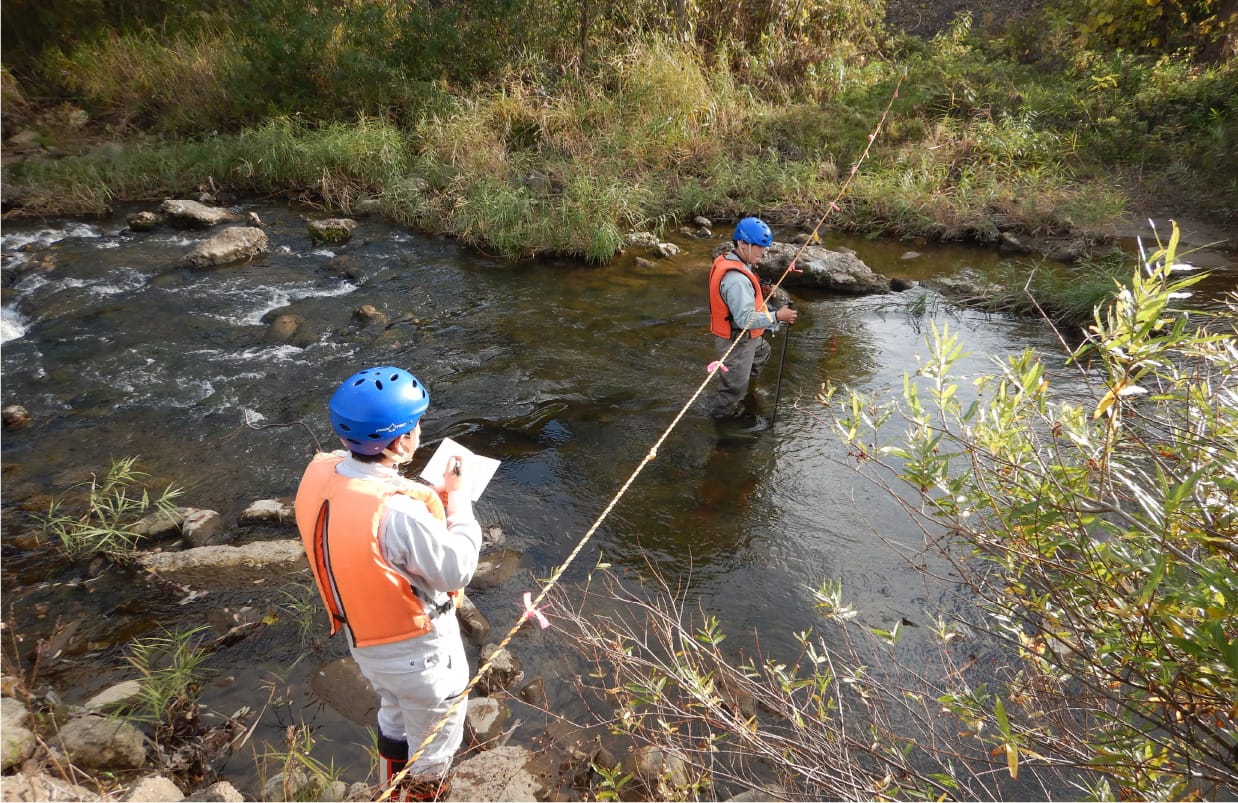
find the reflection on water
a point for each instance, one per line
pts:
(568, 374)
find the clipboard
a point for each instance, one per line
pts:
(477, 473)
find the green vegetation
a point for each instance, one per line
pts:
(532, 127)
(99, 516)
(1101, 535)
(170, 672)
(292, 773)
(1097, 537)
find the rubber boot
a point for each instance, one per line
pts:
(392, 756)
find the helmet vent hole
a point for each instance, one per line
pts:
(345, 427)
(378, 383)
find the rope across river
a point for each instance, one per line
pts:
(532, 606)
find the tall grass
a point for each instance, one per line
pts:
(140, 80)
(545, 159)
(100, 515)
(170, 669)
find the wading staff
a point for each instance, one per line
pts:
(782, 359)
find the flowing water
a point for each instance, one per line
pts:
(566, 372)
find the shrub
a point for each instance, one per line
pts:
(1099, 536)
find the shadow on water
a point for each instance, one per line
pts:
(569, 374)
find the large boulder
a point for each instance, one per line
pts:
(504, 773)
(192, 214)
(822, 269)
(102, 743)
(215, 566)
(233, 244)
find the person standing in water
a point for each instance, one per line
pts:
(737, 301)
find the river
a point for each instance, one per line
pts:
(566, 372)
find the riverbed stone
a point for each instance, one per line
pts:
(161, 523)
(641, 239)
(966, 286)
(17, 740)
(204, 528)
(510, 773)
(368, 315)
(368, 206)
(333, 231)
(144, 220)
(283, 328)
(154, 789)
(102, 743)
(212, 567)
(666, 250)
(340, 686)
(534, 693)
(221, 792)
(485, 720)
(299, 784)
(116, 697)
(660, 772)
(15, 417)
(1008, 243)
(473, 623)
(233, 244)
(193, 214)
(495, 569)
(819, 268)
(42, 787)
(503, 673)
(268, 511)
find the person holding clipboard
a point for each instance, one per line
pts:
(390, 557)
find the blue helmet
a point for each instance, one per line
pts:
(373, 407)
(753, 230)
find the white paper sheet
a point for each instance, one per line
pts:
(477, 470)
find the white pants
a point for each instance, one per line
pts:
(412, 703)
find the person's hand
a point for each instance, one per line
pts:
(786, 314)
(454, 474)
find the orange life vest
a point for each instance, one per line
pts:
(720, 321)
(338, 518)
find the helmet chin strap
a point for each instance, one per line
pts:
(397, 459)
(401, 458)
